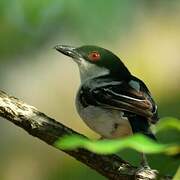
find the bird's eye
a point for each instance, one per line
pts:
(94, 56)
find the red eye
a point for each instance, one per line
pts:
(94, 56)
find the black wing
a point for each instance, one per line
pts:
(132, 97)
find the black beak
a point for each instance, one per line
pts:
(68, 51)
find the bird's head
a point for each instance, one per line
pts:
(94, 61)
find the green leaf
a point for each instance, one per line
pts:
(137, 142)
(168, 123)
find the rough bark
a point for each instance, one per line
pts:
(49, 130)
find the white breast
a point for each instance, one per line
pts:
(106, 122)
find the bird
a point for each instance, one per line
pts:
(111, 101)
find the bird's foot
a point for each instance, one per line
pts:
(146, 173)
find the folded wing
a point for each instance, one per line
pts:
(132, 97)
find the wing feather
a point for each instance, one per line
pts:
(122, 96)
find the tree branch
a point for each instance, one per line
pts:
(48, 130)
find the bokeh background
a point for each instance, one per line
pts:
(144, 34)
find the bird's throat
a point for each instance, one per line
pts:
(89, 71)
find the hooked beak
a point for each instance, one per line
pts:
(69, 51)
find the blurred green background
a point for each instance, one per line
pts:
(144, 34)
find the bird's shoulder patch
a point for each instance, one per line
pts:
(135, 85)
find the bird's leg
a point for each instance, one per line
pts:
(144, 162)
(144, 170)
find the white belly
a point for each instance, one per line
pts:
(107, 123)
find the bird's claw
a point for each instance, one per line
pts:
(146, 173)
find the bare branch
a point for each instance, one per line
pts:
(48, 130)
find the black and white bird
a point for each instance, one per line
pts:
(110, 100)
